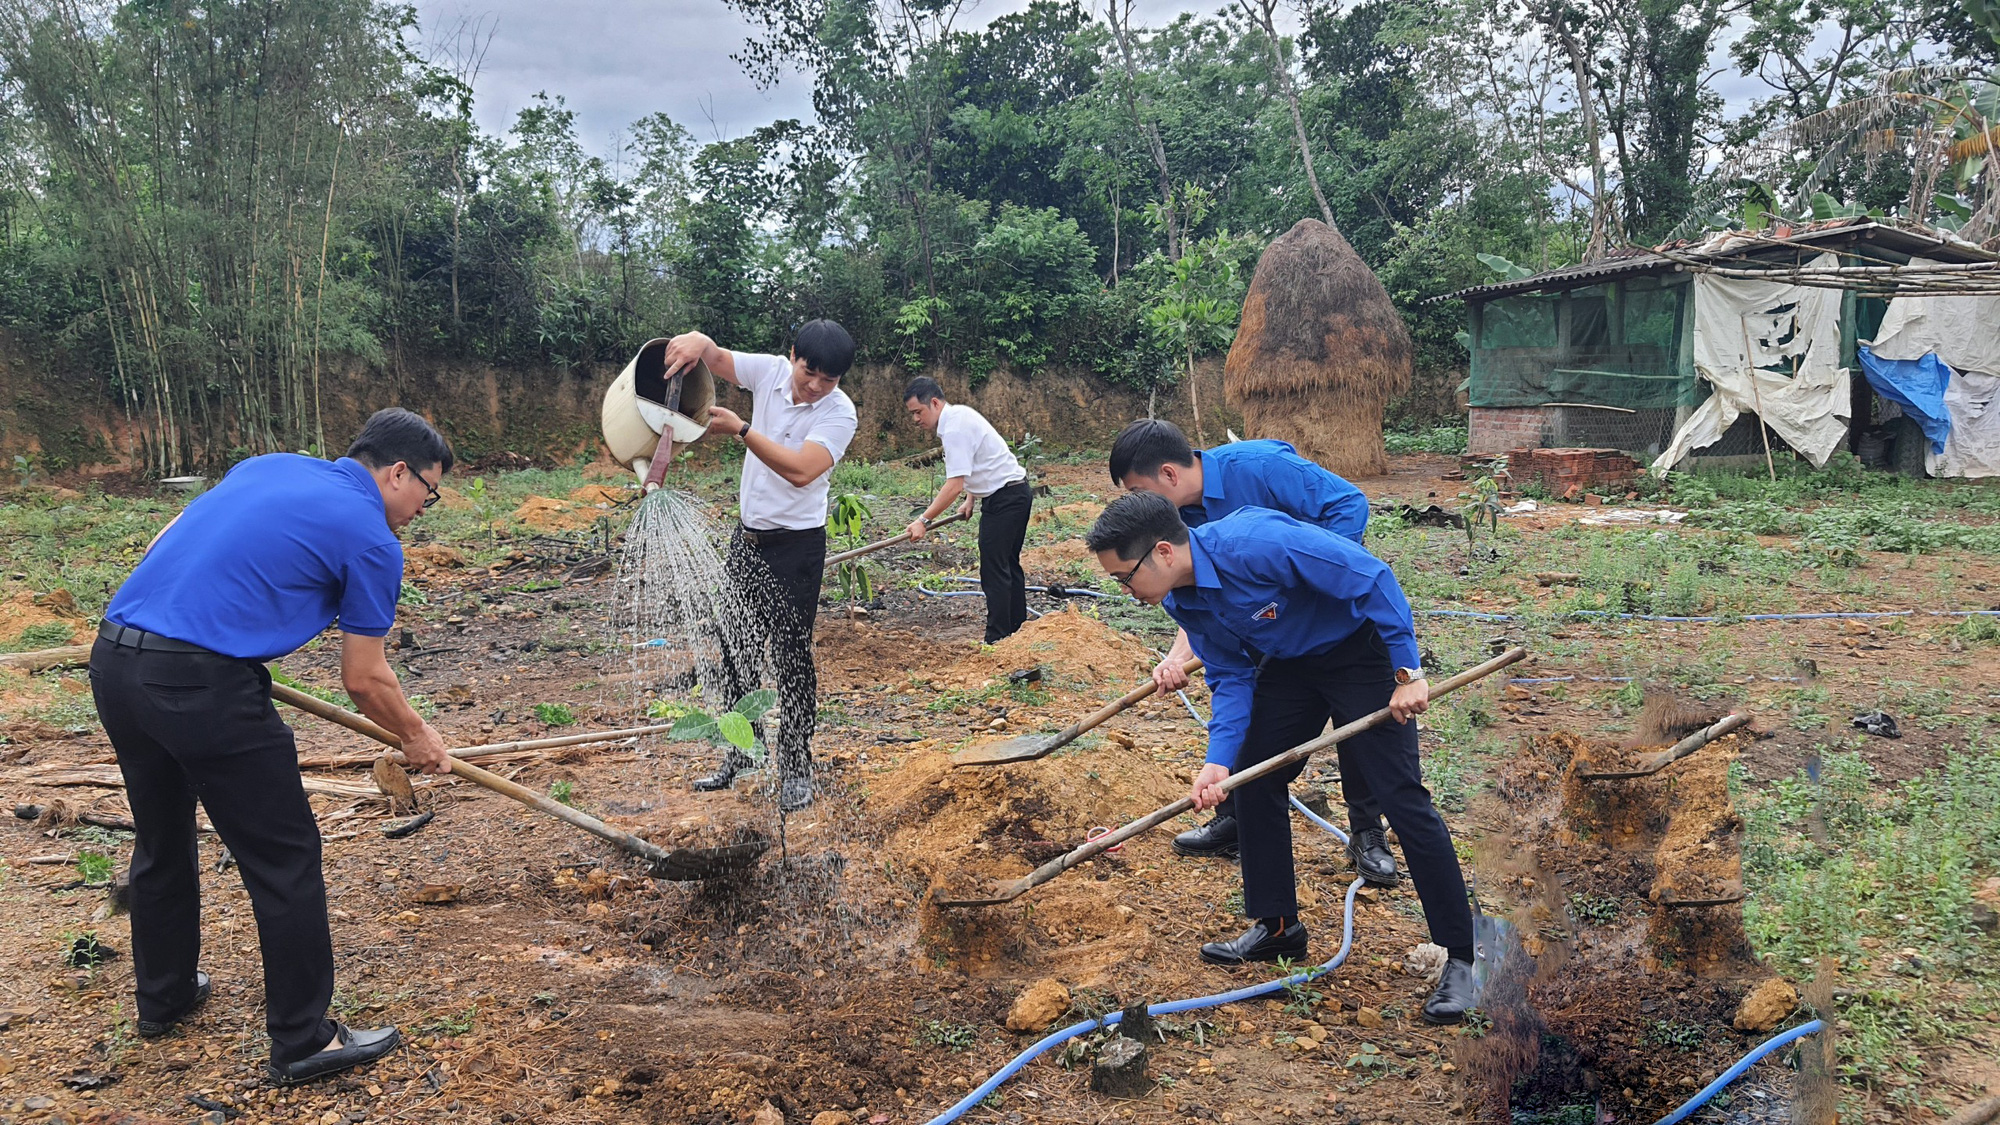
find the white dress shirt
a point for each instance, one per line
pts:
(768, 502)
(973, 449)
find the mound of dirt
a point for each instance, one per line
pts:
(1070, 646)
(603, 495)
(546, 513)
(1064, 557)
(45, 613)
(959, 831)
(1080, 514)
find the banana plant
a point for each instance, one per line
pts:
(848, 524)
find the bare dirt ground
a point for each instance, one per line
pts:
(540, 977)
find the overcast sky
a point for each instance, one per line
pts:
(616, 61)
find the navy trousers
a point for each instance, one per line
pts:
(200, 726)
(1293, 702)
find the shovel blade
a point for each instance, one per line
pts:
(1025, 748)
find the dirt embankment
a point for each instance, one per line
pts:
(68, 416)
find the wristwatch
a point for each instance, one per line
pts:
(1406, 675)
(745, 431)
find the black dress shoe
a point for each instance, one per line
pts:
(1368, 850)
(1455, 994)
(1259, 943)
(356, 1048)
(795, 793)
(151, 1029)
(723, 777)
(1216, 838)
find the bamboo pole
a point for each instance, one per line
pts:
(1757, 396)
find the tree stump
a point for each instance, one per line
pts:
(1137, 1023)
(1120, 1069)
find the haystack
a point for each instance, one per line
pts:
(1319, 352)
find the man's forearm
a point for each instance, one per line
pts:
(799, 467)
(382, 700)
(946, 497)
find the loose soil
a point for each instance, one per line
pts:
(541, 977)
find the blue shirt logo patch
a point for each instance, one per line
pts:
(1268, 613)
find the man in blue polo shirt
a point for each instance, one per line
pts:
(1297, 626)
(1152, 455)
(282, 547)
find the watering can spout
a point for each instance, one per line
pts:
(646, 412)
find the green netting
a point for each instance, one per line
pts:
(1518, 322)
(1620, 345)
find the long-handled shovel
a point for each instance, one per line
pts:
(1028, 747)
(871, 548)
(683, 864)
(1062, 863)
(1654, 763)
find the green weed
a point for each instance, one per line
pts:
(95, 868)
(1595, 909)
(563, 792)
(950, 1035)
(555, 714)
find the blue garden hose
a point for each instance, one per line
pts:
(1055, 1039)
(1733, 1073)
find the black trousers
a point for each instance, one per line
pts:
(780, 574)
(1003, 528)
(199, 726)
(1293, 701)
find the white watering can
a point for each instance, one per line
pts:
(645, 412)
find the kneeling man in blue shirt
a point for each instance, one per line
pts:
(1297, 626)
(249, 571)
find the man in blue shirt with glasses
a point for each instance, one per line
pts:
(1152, 455)
(263, 562)
(1297, 626)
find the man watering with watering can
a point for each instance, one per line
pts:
(1296, 626)
(800, 425)
(1151, 455)
(251, 570)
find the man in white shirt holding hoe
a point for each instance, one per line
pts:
(799, 427)
(979, 466)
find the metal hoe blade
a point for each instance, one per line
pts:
(686, 865)
(1028, 747)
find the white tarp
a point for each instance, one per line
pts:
(1964, 332)
(1769, 349)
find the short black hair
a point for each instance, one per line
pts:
(396, 434)
(1142, 447)
(826, 347)
(1131, 524)
(924, 389)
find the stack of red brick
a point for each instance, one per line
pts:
(1564, 470)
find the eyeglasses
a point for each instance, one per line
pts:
(434, 495)
(1125, 579)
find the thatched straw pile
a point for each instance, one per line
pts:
(1319, 352)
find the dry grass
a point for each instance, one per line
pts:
(1319, 352)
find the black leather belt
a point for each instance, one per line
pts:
(140, 639)
(779, 534)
